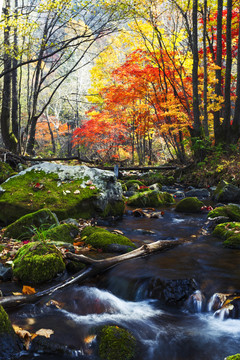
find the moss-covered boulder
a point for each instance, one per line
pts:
(5, 323)
(229, 211)
(230, 233)
(37, 262)
(9, 342)
(100, 238)
(5, 171)
(68, 191)
(226, 193)
(24, 227)
(233, 357)
(134, 184)
(150, 198)
(116, 343)
(63, 233)
(189, 205)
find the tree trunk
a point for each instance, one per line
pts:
(236, 119)
(96, 267)
(196, 125)
(227, 103)
(15, 129)
(6, 96)
(218, 86)
(205, 84)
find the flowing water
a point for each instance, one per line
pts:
(121, 297)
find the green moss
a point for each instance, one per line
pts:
(230, 211)
(230, 232)
(233, 357)
(37, 262)
(116, 344)
(151, 198)
(5, 171)
(232, 242)
(63, 232)
(5, 324)
(219, 189)
(100, 238)
(89, 230)
(189, 205)
(23, 227)
(134, 184)
(21, 197)
(225, 230)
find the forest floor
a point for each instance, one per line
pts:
(213, 169)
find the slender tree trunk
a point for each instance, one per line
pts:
(6, 96)
(218, 87)
(205, 91)
(197, 125)
(51, 134)
(236, 119)
(34, 117)
(227, 103)
(15, 129)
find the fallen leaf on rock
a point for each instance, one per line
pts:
(28, 290)
(16, 293)
(24, 335)
(45, 332)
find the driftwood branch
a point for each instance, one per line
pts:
(95, 267)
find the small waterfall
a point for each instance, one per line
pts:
(195, 302)
(216, 301)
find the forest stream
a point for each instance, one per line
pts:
(120, 297)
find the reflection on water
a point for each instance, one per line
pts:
(120, 298)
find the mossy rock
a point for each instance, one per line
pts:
(189, 205)
(64, 190)
(62, 232)
(233, 357)
(134, 184)
(230, 232)
(37, 262)
(151, 198)
(232, 242)
(21, 197)
(5, 171)
(10, 344)
(227, 229)
(24, 227)
(231, 211)
(5, 323)
(89, 230)
(101, 239)
(116, 343)
(226, 193)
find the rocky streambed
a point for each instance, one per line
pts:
(178, 304)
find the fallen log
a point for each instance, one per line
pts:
(95, 267)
